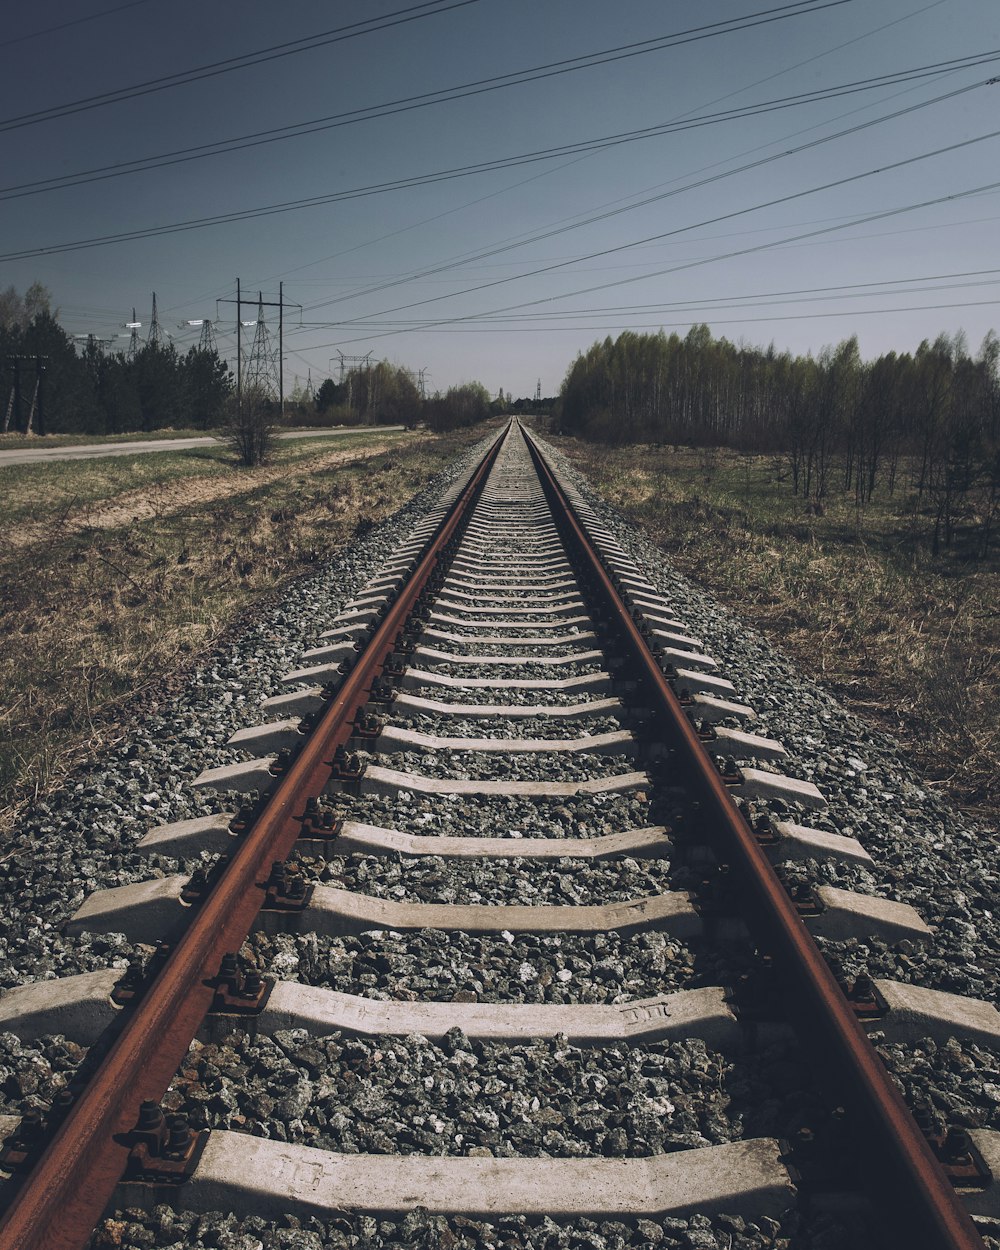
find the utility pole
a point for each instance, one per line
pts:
(37, 399)
(239, 357)
(281, 350)
(14, 407)
(262, 303)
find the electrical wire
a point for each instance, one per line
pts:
(76, 21)
(317, 201)
(306, 327)
(747, 251)
(247, 59)
(440, 328)
(549, 173)
(120, 169)
(854, 290)
(604, 216)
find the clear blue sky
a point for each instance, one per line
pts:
(896, 275)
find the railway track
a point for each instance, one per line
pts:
(514, 833)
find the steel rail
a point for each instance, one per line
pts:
(927, 1212)
(66, 1193)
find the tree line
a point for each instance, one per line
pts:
(385, 394)
(928, 419)
(96, 392)
(93, 391)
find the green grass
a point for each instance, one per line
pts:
(908, 641)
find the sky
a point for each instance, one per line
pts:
(496, 184)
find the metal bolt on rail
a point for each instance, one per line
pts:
(131, 984)
(165, 1150)
(247, 814)
(240, 991)
(286, 891)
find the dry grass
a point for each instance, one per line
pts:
(64, 490)
(93, 615)
(15, 442)
(906, 641)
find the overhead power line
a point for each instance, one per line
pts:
(76, 21)
(674, 191)
(200, 223)
(576, 160)
(557, 321)
(706, 260)
(120, 169)
(799, 295)
(274, 52)
(295, 130)
(476, 328)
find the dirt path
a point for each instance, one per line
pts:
(92, 451)
(180, 495)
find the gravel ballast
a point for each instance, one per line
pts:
(82, 837)
(925, 853)
(464, 1096)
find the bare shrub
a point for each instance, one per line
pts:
(249, 426)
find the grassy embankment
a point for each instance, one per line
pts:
(115, 573)
(35, 442)
(909, 642)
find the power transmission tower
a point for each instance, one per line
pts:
(155, 336)
(262, 364)
(133, 342)
(538, 391)
(358, 362)
(206, 340)
(91, 337)
(262, 303)
(422, 376)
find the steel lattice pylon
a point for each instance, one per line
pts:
(207, 340)
(155, 336)
(262, 361)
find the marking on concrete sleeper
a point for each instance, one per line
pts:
(639, 1013)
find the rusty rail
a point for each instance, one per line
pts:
(64, 1196)
(927, 1212)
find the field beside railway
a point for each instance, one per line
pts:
(115, 573)
(906, 640)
